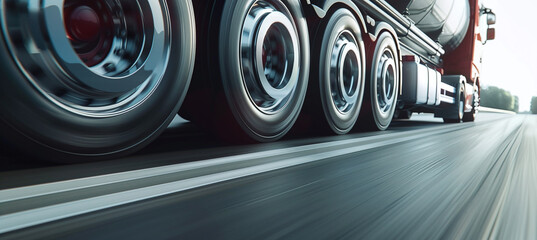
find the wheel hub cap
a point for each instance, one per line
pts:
(89, 28)
(386, 81)
(107, 59)
(270, 56)
(345, 72)
(83, 24)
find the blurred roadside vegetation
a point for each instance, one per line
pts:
(495, 97)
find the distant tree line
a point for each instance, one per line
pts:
(495, 97)
(533, 107)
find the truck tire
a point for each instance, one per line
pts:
(341, 71)
(103, 86)
(458, 117)
(382, 85)
(260, 53)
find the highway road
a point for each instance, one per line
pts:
(421, 179)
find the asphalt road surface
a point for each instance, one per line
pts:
(421, 179)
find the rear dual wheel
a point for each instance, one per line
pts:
(95, 78)
(261, 49)
(341, 71)
(383, 84)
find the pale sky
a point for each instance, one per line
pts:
(510, 61)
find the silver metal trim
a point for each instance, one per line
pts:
(345, 72)
(270, 55)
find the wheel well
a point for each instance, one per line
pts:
(328, 7)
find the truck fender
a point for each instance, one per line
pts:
(322, 7)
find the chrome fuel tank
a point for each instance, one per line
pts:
(445, 21)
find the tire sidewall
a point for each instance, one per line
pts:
(385, 40)
(339, 122)
(258, 125)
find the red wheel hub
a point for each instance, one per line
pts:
(89, 27)
(83, 24)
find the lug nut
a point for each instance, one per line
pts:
(109, 67)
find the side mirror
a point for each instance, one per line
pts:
(491, 34)
(491, 18)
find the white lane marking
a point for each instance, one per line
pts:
(81, 183)
(28, 218)
(494, 110)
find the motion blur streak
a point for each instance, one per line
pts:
(504, 203)
(461, 181)
(28, 218)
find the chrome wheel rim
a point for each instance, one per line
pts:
(270, 56)
(107, 59)
(345, 72)
(386, 81)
